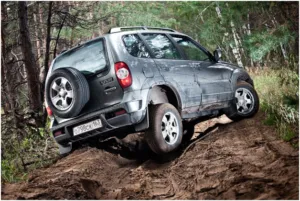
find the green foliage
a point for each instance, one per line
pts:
(270, 119)
(197, 19)
(260, 43)
(145, 14)
(287, 134)
(24, 150)
(9, 172)
(296, 145)
(279, 99)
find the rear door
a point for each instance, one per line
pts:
(93, 60)
(174, 69)
(213, 79)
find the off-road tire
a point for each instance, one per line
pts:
(154, 135)
(81, 91)
(232, 113)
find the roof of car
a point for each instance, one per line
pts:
(137, 28)
(121, 30)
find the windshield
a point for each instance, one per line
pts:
(87, 58)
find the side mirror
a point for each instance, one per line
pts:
(217, 54)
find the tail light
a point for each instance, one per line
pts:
(49, 111)
(57, 133)
(120, 112)
(115, 113)
(123, 74)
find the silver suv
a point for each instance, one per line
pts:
(142, 78)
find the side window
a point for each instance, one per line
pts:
(162, 47)
(190, 49)
(135, 46)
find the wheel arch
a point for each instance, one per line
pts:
(241, 76)
(158, 94)
(164, 94)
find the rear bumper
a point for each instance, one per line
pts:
(134, 114)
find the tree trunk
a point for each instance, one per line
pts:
(284, 53)
(48, 40)
(29, 59)
(235, 49)
(101, 28)
(36, 28)
(249, 33)
(43, 41)
(5, 102)
(47, 56)
(5, 79)
(57, 38)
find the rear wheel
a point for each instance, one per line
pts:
(165, 130)
(246, 102)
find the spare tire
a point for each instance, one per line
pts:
(67, 91)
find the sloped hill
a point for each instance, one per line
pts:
(239, 160)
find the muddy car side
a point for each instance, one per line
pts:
(165, 83)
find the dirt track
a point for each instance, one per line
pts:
(240, 160)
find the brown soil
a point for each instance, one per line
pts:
(240, 160)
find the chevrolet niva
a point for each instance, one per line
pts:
(142, 79)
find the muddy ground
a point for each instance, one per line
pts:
(239, 160)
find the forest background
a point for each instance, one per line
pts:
(262, 37)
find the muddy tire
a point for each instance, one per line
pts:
(245, 104)
(165, 130)
(67, 92)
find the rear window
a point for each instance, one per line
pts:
(88, 58)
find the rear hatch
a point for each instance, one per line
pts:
(93, 60)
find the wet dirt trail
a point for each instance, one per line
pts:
(239, 160)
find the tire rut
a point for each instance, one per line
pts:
(240, 160)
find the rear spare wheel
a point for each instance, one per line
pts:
(67, 91)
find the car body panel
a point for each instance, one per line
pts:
(182, 77)
(214, 80)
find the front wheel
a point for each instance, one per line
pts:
(165, 130)
(246, 102)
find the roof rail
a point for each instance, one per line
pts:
(119, 29)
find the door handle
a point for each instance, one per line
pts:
(196, 65)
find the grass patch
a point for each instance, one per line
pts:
(278, 91)
(270, 120)
(10, 173)
(25, 151)
(287, 134)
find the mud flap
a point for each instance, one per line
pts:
(64, 150)
(144, 124)
(231, 111)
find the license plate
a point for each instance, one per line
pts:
(87, 127)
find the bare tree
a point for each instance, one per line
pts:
(29, 59)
